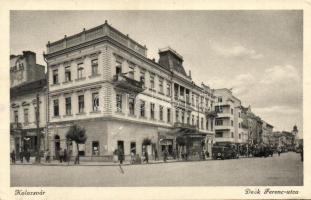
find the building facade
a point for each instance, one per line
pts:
(228, 123)
(267, 130)
(28, 87)
(102, 80)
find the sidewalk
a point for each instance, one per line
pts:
(98, 163)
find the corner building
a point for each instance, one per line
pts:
(102, 80)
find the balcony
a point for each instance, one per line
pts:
(126, 84)
(224, 139)
(211, 113)
(223, 127)
(15, 125)
(185, 126)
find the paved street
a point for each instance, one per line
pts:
(275, 171)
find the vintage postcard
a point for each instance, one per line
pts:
(147, 101)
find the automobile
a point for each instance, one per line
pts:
(224, 152)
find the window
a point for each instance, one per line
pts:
(207, 124)
(95, 148)
(219, 134)
(219, 99)
(239, 114)
(118, 67)
(68, 105)
(212, 124)
(168, 115)
(219, 109)
(239, 125)
(239, 135)
(161, 85)
(151, 81)
(192, 120)
(119, 102)
(168, 89)
(232, 134)
(177, 115)
(80, 71)
(188, 118)
(218, 122)
(131, 72)
(94, 67)
(26, 116)
(198, 121)
(152, 110)
(142, 108)
(81, 103)
(142, 77)
(202, 123)
(161, 113)
(16, 116)
(55, 76)
(231, 123)
(35, 111)
(192, 100)
(56, 107)
(67, 74)
(231, 111)
(131, 105)
(182, 116)
(95, 101)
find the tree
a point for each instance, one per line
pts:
(78, 135)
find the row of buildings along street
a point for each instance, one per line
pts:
(102, 80)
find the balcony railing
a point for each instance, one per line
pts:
(125, 83)
(15, 125)
(183, 125)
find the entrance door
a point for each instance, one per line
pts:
(57, 145)
(133, 147)
(121, 146)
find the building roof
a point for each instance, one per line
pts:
(27, 88)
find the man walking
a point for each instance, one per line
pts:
(13, 156)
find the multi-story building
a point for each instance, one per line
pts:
(102, 80)
(28, 87)
(253, 124)
(228, 124)
(267, 130)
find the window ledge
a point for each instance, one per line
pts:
(95, 111)
(56, 117)
(55, 84)
(152, 90)
(68, 115)
(80, 79)
(161, 93)
(132, 115)
(81, 113)
(94, 75)
(67, 82)
(119, 112)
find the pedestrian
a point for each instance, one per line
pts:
(165, 155)
(120, 156)
(65, 155)
(279, 150)
(61, 155)
(301, 154)
(156, 156)
(146, 156)
(21, 156)
(13, 156)
(132, 157)
(27, 156)
(48, 155)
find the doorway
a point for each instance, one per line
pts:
(121, 145)
(57, 145)
(133, 147)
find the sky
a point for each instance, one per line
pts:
(256, 53)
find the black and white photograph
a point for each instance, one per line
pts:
(156, 98)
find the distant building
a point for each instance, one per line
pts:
(27, 81)
(267, 130)
(228, 124)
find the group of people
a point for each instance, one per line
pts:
(22, 155)
(63, 155)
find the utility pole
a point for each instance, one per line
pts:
(38, 129)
